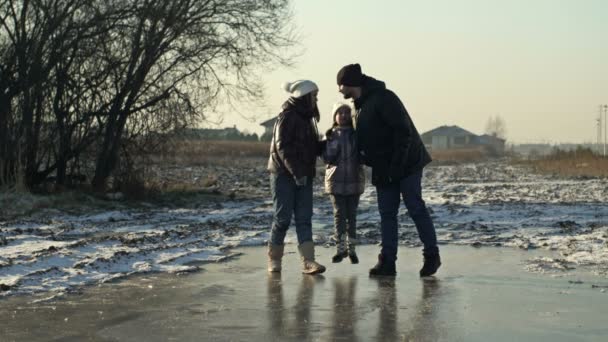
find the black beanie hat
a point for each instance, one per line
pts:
(350, 75)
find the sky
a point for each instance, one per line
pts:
(541, 65)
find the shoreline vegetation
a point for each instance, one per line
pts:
(189, 171)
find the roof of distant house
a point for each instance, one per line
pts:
(452, 131)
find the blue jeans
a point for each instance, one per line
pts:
(290, 199)
(410, 189)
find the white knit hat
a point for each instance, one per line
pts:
(339, 105)
(300, 88)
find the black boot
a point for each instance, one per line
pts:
(383, 268)
(339, 256)
(431, 264)
(341, 251)
(352, 255)
(353, 258)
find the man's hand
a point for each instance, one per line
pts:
(301, 181)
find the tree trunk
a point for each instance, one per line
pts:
(108, 156)
(62, 155)
(5, 142)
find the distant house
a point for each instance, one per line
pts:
(268, 127)
(448, 137)
(455, 137)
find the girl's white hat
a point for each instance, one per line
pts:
(339, 105)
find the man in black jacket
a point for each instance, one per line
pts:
(389, 143)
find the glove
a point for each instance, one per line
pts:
(301, 181)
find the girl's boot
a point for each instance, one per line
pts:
(341, 252)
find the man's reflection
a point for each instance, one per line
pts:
(344, 318)
(424, 323)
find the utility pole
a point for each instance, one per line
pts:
(598, 142)
(605, 126)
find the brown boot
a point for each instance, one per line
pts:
(275, 254)
(307, 252)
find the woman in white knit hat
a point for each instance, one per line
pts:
(293, 152)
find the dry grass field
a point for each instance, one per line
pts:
(577, 163)
(222, 152)
(463, 155)
(235, 168)
(211, 152)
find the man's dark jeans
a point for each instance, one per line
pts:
(289, 199)
(389, 197)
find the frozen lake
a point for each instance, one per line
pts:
(480, 294)
(480, 205)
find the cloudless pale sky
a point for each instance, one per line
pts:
(541, 65)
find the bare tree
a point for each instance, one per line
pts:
(31, 36)
(76, 74)
(189, 52)
(496, 127)
(44, 43)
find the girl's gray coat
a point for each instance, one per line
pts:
(344, 175)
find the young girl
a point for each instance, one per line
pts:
(344, 181)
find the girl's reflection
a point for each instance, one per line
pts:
(344, 315)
